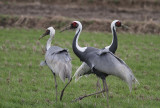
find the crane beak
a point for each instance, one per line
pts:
(46, 33)
(42, 36)
(124, 26)
(66, 28)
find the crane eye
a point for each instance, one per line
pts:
(74, 25)
(47, 32)
(118, 24)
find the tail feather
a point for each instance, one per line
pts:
(78, 74)
(43, 63)
(65, 71)
(131, 80)
(126, 74)
(136, 81)
(83, 69)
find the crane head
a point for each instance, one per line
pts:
(49, 31)
(117, 23)
(73, 25)
(46, 33)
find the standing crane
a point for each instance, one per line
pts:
(57, 59)
(101, 65)
(84, 68)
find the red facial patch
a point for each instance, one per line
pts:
(118, 23)
(74, 25)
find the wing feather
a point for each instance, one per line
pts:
(59, 61)
(82, 70)
(112, 65)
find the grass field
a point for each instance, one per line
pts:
(24, 84)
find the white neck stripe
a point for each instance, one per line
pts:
(81, 49)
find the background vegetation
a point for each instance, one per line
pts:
(23, 83)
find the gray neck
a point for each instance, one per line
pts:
(114, 44)
(75, 45)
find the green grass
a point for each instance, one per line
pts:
(24, 84)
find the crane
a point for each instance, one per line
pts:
(84, 68)
(57, 59)
(102, 65)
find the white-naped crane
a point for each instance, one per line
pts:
(57, 59)
(100, 64)
(84, 68)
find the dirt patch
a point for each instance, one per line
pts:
(109, 3)
(93, 17)
(82, 12)
(90, 25)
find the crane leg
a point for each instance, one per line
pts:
(64, 89)
(106, 90)
(55, 84)
(98, 87)
(81, 97)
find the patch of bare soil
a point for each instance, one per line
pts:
(95, 18)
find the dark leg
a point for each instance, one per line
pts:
(55, 84)
(81, 97)
(98, 87)
(64, 89)
(106, 90)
